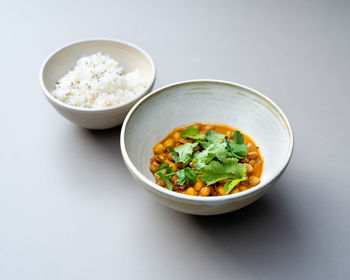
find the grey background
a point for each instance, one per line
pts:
(69, 208)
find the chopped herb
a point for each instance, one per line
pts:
(174, 154)
(217, 150)
(186, 175)
(215, 147)
(204, 144)
(238, 137)
(230, 184)
(229, 169)
(192, 132)
(185, 152)
(237, 148)
(214, 137)
(165, 172)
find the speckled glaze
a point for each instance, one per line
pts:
(64, 59)
(207, 101)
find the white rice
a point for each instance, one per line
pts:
(98, 81)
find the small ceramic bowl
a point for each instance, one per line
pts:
(206, 101)
(61, 61)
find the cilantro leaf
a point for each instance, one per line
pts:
(238, 137)
(217, 150)
(214, 137)
(237, 148)
(185, 152)
(202, 158)
(186, 175)
(165, 172)
(216, 171)
(166, 166)
(231, 184)
(192, 132)
(174, 154)
(204, 144)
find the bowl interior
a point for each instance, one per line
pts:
(65, 59)
(208, 102)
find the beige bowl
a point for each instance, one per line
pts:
(61, 61)
(208, 101)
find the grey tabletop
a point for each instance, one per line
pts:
(69, 209)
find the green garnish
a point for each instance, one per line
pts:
(229, 169)
(203, 144)
(192, 132)
(216, 162)
(184, 152)
(230, 184)
(214, 150)
(238, 137)
(186, 175)
(215, 147)
(214, 137)
(165, 172)
(237, 148)
(174, 154)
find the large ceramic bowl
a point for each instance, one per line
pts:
(207, 101)
(61, 61)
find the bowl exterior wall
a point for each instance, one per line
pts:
(95, 119)
(204, 208)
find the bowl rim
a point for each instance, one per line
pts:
(97, 39)
(173, 194)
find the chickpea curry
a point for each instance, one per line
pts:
(207, 160)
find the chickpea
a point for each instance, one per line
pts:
(252, 155)
(173, 179)
(249, 168)
(161, 158)
(159, 148)
(170, 157)
(242, 188)
(160, 182)
(191, 191)
(253, 181)
(235, 190)
(205, 191)
(177, 136)
(169, 143)
(191, 163)
(198, 185)
(221, 190)
(252, 162)
(154, 166)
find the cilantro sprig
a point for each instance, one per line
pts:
(192, 132)
(165, 172)
(229, 169)
(214, 147)
(186, 175)
(237, 148)
(183, 153)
